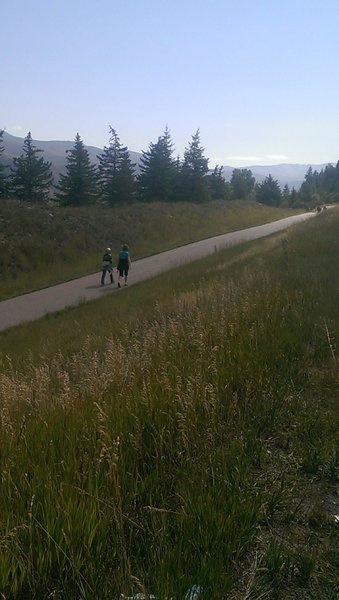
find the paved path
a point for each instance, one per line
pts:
(34, 305)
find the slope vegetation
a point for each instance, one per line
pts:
(188, 437)
(45, 245)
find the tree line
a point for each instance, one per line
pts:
(161, 177)
(321, 186)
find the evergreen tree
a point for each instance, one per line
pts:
(286, 196)
(194, 184)
(327, 179)
(309, 177)
(294, 198)
(328, 183)
(269, 192)
(310, 193)
(78, 186)
(242, 182)
(116, 172)
(177, 183)
(3, 182)
(125, 180)
(334, 197)
(157, 177)
(31, 176)
(308, 186)
(219, 188)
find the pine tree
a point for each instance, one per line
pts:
(78, 186)
(194, 184)
(176, 194)
(286, 196)
(116, 172)
(311, 192)
(125, 179)
(294, 198)
(219, 188)
(269, 192)
(3, 182)
(326, 184)
(31, 176)
(157, 178)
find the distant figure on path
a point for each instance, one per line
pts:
(124, 264)
(107, 266)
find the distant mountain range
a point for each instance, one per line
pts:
(55, 152)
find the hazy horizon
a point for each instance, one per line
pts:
(307, 164)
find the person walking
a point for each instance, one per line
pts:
(107, 266)
(124, 264)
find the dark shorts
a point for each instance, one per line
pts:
(123, 267)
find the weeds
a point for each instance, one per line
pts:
(162, 456)
(45, 245)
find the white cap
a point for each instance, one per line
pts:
(108, 250)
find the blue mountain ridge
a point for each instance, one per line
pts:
(54, 151)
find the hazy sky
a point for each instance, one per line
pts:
(260, 78)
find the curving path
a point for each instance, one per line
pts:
(34, 305)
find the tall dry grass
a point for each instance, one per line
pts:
(153, 462)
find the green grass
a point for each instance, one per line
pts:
(45, 245)
(185, 431)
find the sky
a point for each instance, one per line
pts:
(258, 78)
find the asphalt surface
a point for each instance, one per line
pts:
(35, 305)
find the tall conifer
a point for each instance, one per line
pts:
(78, 186)
(157, 178)
(194, 185)
(219, 188)
(269, 192)
(116, 172)
(31, 176)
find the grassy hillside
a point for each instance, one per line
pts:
(184, 432)
(45, 245)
